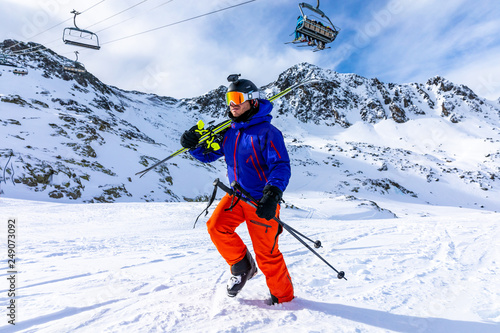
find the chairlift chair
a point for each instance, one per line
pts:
(325, 33)
(77, 68)
(79, 37)
(20, 71)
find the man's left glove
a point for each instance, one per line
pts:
(267, 205)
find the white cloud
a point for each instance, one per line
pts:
(395, 40)
(427, 38)
(482, 75)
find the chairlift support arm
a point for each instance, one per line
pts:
(316, 10)
(74, 18)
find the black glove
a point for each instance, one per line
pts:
(190, 138)
(267, 205)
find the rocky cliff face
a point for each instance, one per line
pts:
(70, 137)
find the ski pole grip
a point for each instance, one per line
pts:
(238, 187)
(223, 187)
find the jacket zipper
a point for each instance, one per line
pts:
(276, 150)
(254, 166)
(234, 155)
(255, 153)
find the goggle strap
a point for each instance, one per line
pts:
(242, 96)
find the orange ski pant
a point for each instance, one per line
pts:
(264, 235)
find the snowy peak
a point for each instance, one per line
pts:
(69, 137)
(347, 98)
(51, 65)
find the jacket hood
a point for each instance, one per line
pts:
(262, 115)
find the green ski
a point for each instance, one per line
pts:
(215, 129)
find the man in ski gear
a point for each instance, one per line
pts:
(256, 157)
(300, 22)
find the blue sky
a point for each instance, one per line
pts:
(397, 41)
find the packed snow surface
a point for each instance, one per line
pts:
(141, 267)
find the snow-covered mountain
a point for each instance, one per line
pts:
(69, 137)
(363, 152)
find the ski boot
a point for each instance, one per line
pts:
(243, 270)
(274, 300)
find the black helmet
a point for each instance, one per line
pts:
(241, 85)
(240, 91)
(244, 86)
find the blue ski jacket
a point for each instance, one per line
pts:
(255, 153)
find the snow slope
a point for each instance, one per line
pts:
(140, 267)
(398, 181)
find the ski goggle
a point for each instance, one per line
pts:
(237, 97)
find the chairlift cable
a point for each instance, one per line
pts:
(67, 19)
(130, 18)
(40, 47)
(86, 35)
(178, 22)
(38, 34)
(33, 48)
(92, 6)
(133, 6)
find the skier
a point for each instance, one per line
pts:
(298, 35)
(257, 158)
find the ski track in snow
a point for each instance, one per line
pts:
(140, 267)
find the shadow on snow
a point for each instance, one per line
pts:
(382, 319)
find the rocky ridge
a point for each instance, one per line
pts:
(70, 137)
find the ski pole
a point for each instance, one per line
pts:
(251, 202)
(317, 243)
(222, 126)
(237, 186)
(291, 230)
